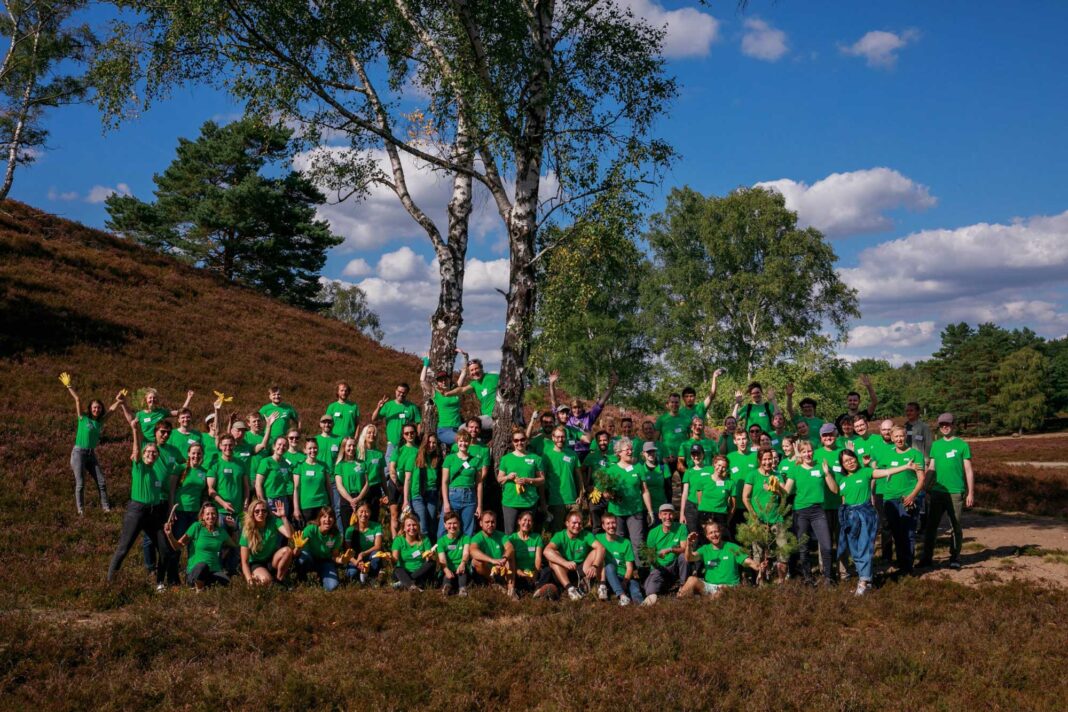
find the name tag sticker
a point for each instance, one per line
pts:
(951, 453)
(567, 458)
(721, 483)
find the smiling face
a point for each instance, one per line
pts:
(96, 409)
(326, 520)
(363, 516)
(559, 439)
(150, 454)
(408, 433)
(720, 467)
(226, 447)
(400, 393)
(196, 455)
(259, 513)
(343, 391)
(525, 522)
(767, 461)
(757, 394)
(860, 427)
(804, 451)
(897, 436)
(279, 447)
(474, 371)
(673, 405)
(452, 527)
(730, 423)
(411, 529)
(610, 524)
(519, 442)
(209, 517)
(714, 533)
(326, 425)
(666, 517)
(648, 431)
(311, 449)
(488, 523)
(184, 419)
(849, 462)
(574, 524)
(275, 396)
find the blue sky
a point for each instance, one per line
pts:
(926, 139)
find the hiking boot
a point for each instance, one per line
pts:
(955, 565)
(624, 600)
(650, 600)
(573, 593)
(602, 593)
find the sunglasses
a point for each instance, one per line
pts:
(519, 440)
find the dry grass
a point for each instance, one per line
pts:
(78, 300)
(1031, 449)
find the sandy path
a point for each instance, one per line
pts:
(993, 542)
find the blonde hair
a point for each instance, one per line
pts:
(361, 447)
(253, 534)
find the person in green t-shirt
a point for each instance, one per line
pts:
(400, 462)
(859, 522)
(901, 493)
(764, 496)
(274, 476)
(757, 411)
(722, 561)
(188, 489)
(672, 427)
(146, 510)
(421, 483)
(523, 551)
(311, 489)
(350, 481)
(597, 459)
(488, 561)
(473, 377)
(265, 556)
(286, 417)
(619, 558)
(320, 549)
(653, 472)
(450, 418)
(364, 540)
(83, 457)
(462, 474)
(154, 412)
(715, 495)
(697, 437)
(669, 542)
(812, 422)
(563, 481)
(183, 437)
(372, 463)
(692, 484)
(415, 566)
(344, 414)
(205, 540)
(690, 407)
(575, 557)
(228, 488)
(454, 556)
(828, 453)
(630, 501)
(521, 475)
(808, 485)
(950, 484)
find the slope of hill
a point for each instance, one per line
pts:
(78, 300)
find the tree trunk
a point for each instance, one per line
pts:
(20, 123)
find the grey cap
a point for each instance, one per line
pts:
(562, 408)
(649, 446)
(945, 418)
(667, 507)
(239, 425)
(828, 429)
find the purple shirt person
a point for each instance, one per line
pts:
(578, 416)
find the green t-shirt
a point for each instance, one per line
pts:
(205, 546)
(87, 436)
(425, 479)
(723, 565)
(486, 391)
(561, 471)
(595, 461)
(699, 410)
(752, 414)
(673, 538)
(696, 477)
(830, 499)
(182, 441)
(810, 489)
(527, 465)
(190, 489)
(709, 445)
(462, 473)
(619, 551)
(453, 549)
(881, 451)
(901, 484)
(814, 425)
(295, 460)
(365, 540)
(374, 465)
(740, 465)
(147, 420)
(654, 478)
(345, 415)
(276, 475)
(397, 415)
(403, 460)
(410, 555)
(352, 476)
(270, 543)
(526, 550)
(329, 446)
(448, 410)
(285, 412)
(726, 445)
(854, 488)
(319, 545)
(765, 502)
(947, 459)
(715, 494)
(230, 476)
(313, 485)
(628, 497)
(492, 545)
(149, 483)
(211, 451)
(673, 430)
(576, 549)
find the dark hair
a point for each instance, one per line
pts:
(626, 419)
(600, 433)
(185, 411)
(912, 404)
(688, 391)
(404, 385)
(474, 420)
(674, 395)
(847, 452)
(163, 425)
(853, 393)
(450, 515)
(754, 384)
(274, 388)
(808, 401)
(103, 408)
(428, 457)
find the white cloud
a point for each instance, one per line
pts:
(970, 262)
(403, 265)
(485, 276)
(1043, 315)
(357, 268)
(852, 203)
(900, 334)
(100, 193)
(880, 48)
(690, 32)
(762, 41)
(54, 195)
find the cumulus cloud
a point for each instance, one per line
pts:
(880, 48)
(1045, 316)
(963, 263)
(357, 268)
(900, 334)
(68, 196)
(762, 41)
(689, 32)
(100, 193)
(852, 203)
(402, 265)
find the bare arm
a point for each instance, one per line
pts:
(873, 400)
(463, 371)
(712, 391)
(969, 480)
(613, 381)
(554, 376)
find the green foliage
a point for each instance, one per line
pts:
(1020, 401)
(215, 210)
(587, 322)
(42, 68)
(606, 484)
(348, 303)
(647, 556)
(737, 284)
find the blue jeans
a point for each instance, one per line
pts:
(324, 568)
(859, 524)
(375, 565)
(390, 447)
(616, 584)
(447, 436)
(427, 507)
(462, 500)
(902, 526)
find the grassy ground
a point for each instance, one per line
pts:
(77, 300)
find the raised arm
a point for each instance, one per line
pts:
(381, 402)
(64, 378)
(738, 396)
(463, 371)
(613, 381)
(712, 391)
(188, 400)
(554, 376)
(873, 400)
(790, 401)
(135, 454)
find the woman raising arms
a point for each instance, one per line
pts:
(264, 557)
(83, 457)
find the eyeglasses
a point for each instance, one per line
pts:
(519, 440)
(293, 437)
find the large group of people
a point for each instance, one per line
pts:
(580, 504)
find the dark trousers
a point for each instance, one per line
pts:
(662, 578)
(421, 577)
(148, 519)
(458, 580)
(902, 524)
(206, 576)
(812, 521)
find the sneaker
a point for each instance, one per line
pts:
(106, 509)
(398, 585)
(161, 587)
(445, 591)
(624, 600)
(573, 593)
(602, 593)
(650, 600)
(415, 589)
(955, 565)
(81, 512)
(462, 592)
(862, 588)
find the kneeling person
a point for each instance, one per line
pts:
(574, 556)
(723, 561)
(619, 559)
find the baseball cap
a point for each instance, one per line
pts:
(945, 418)
(562, 408)
(649, 446)
(828, 429)
(239, 425)
(697, 449)
(666, 507)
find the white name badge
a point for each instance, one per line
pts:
(894, 463)
(309, 473)
(528, 460)
(467, 463)
(734, 469)
(416, 554)
(337, 414)
(837, 468)
(485, 391)
(678, 430)
(951, 453)
(146, 420)
(815, 473)
(721, 483)
(402, 416)
(567, 458)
